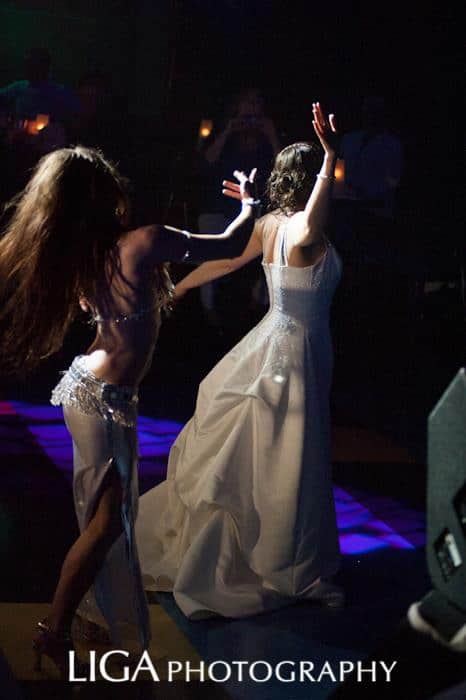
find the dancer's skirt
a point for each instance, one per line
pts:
(101, 418)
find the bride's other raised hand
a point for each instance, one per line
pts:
(325, 129)
(243, 189)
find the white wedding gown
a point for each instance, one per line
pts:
(246, 518)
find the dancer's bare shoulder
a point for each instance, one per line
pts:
(140, 239)
(152, 244)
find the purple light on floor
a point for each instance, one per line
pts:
(45, 424)
(396, 541)
(360, 544)
(360, 531)
(38, 412)
(380, 527)
(6, 409)
(357, 518)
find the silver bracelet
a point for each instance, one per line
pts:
(188, 252)
(256, 205)
(251, 202)
(325, 177)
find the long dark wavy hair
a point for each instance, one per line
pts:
(60, 244)
(292, 178)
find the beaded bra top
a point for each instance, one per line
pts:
(138, 315)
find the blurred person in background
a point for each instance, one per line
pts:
(249, 140)
(373, 158)
(38, 112)
(38, 93)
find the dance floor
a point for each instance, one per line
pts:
(382, 540)
(18, 619)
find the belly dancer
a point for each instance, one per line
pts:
(69, 241)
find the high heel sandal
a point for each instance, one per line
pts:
(56, 646)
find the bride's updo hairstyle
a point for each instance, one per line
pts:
(293, 176)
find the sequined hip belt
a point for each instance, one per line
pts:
(81, 389)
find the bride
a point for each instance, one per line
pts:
(245, 521)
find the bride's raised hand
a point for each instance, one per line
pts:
(243, 191)
(325, 129)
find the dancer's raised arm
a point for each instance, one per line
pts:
(167, 243)
(310, 226)
(215, 268)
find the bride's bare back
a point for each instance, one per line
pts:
(298, 256)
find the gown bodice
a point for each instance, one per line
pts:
(303, 294)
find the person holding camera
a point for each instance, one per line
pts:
(249, 131)
(249, 140)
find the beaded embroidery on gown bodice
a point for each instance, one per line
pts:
(246, 518)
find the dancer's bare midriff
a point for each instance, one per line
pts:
(123, 355)
(127, 328)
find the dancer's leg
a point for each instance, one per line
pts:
(87, 554)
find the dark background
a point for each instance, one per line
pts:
(173, 62)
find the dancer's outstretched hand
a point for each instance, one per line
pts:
(244, 190)
(325, 129)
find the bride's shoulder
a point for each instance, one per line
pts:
(272, 218)
(269, 222)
